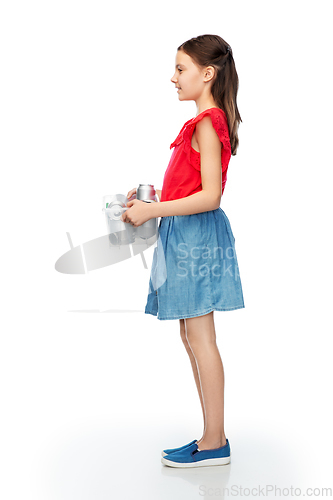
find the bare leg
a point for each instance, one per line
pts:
(194, 366)
(201, 337)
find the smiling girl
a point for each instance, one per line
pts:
(196, 242)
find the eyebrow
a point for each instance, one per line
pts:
(180, 65)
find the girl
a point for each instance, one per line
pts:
(196, 244)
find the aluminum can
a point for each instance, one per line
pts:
(146, 192)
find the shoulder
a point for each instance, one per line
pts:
(207, 125)
(211, 118)
(213, 113)
(213, 123)
(206, 133)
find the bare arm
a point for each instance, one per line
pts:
(211, 177)
(158, 192)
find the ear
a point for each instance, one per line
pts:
(209, 73)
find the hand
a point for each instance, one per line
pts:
(131, 193)
(138, 213)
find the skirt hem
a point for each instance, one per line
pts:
(241, 306)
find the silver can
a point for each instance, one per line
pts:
(146, 192)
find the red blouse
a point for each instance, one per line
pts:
(182, 176)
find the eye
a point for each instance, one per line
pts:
(180, 70)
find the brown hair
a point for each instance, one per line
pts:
(212, 50)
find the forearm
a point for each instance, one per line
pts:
(159, 193)
(193, 204)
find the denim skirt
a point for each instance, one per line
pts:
(194, 269)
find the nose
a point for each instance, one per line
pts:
(173, 79)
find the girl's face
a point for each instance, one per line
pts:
(189, 79)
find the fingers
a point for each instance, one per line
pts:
(125, 219)
(131, 193)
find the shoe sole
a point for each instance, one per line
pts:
(200, 463)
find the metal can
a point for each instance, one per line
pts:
(146, 192)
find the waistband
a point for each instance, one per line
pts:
(219, 209)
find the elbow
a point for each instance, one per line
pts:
(217, 201)
(213, 201)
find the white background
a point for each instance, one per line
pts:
(89, 399)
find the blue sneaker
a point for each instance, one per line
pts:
(192, 456)
(173, 450)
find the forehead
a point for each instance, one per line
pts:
(183, 59)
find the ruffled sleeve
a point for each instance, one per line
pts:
(220, 124)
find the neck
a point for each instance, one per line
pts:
(205, 102)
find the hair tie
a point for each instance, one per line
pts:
(228, 48)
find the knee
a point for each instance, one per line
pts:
(200, 332)
(200, 341)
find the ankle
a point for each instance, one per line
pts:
(210, 444)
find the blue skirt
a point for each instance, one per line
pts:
(194, 269)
